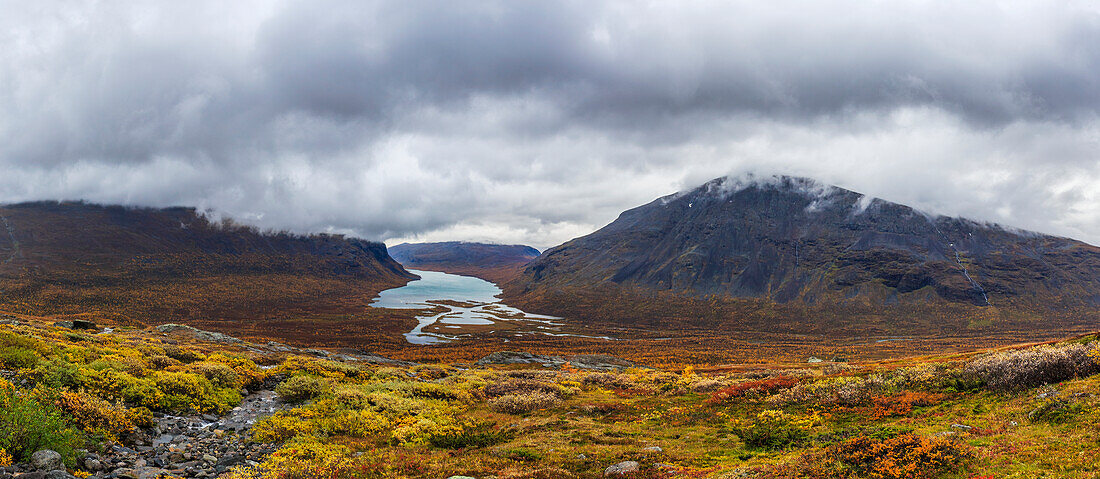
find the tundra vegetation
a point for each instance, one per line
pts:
(1016, 412)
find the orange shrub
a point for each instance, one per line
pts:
(909, 456)
(761, 387)
(901, 404)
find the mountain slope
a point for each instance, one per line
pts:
(816, 248)
(155, 265)
(491, 262)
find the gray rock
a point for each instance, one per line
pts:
(653, 449)
(595, 362)
(621, 468)
(196, 333)
(461, 477)
(47, 460)
(148, 473)
(59, 475)
(92, 465)
(519, 357)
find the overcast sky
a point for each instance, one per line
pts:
(535, 122)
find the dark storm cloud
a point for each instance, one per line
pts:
(537, 121)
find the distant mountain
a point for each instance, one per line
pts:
(492, 262)
(155, 265)
(749, 246)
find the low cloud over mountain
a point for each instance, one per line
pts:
(534, 123)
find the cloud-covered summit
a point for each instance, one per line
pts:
(533, 122)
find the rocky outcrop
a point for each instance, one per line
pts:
(197, 334)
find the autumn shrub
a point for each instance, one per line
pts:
(303, 459)
(183, 355)
(284, 425)
(524, 402)
(1056, 411)
(220, 375)
(187, 391)
(901, 404)
(762, 387)
(141, 417)
(707, 385)
(907, 456)
(301, 388)
(5, 458)
(53, 372)
(471, 436)
(161, 361)
(431, 371)
(18, 352)
(27, 426)
(607, 381)
(299, 365)
(774, 429)
(92, 414)
(1035, 366)
(842, 390)
(248, 373)
(521, 387)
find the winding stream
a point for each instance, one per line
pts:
(470, 305)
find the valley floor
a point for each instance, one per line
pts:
(168, 402)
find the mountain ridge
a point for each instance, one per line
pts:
(787, 240)
(76, 257)
(497, 263)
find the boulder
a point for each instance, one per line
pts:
(47, 460)
(625, 467)
(82, 324)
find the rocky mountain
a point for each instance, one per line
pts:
(491, 262)
(814, 247)
(154, 265)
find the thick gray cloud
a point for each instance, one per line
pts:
(536, 122)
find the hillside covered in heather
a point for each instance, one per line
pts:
(155, 265)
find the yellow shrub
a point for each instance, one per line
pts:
(282, 426)
(93, 414)
(300, 460)
(5, 458)
(319, 367)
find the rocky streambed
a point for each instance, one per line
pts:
(180, 446)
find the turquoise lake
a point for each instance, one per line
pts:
(481, 307)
